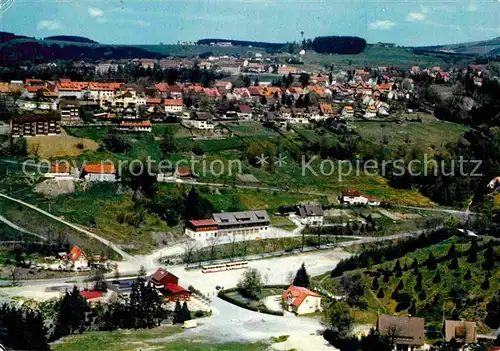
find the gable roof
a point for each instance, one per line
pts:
(245, 109)
(89, 295)
(460, 330)
(326, 109)
(99, 168)
(160, 274)
(174, 102)
(203, 222)
(75, 253)
(299, 294)
(408, 330)
(174, 288)
(310, 210)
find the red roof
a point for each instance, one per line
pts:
(89, 295)
(245, 109)
(174, 102)
(60, 168)
(34, 89)
(136, 124)
(151, 101)
(299, 294)
(203, 222)
(174, 288)
(183, 171)
(99, 168)
(75, 253)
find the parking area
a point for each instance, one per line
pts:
(274, 271)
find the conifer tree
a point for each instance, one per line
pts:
(380, 293)
(177, 313)
(401, 285)
(452, 251)
(431, 262)
(422, 296)
(454, 263)
(485, 285)
(437, 277)
(375, 284)
(301, 278)
(397, 269)
(186, 314)
(468, 275)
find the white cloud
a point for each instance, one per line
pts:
(416, 16)
(472, 7)
(95, 12)
(381, 24)
(141, 23)
(49, 25)
(443, 25)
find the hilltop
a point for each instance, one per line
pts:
(483, 47)
(71, 38)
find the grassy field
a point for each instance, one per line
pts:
(196, 50)
(49, 146)
(443, 292)
(373, 57)
(37, 223)
(429, 136)
(145, 339)
(283, 223)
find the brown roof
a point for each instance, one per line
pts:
(326, 109)
(406, 330)
(160, 274)
(37, 118)
(461, 331)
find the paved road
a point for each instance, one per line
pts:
(106, 242)
(461, 214)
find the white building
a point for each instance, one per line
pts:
(348, 112)
(99, 172)
(202, 120)
(371, 112)
(301, 300)
(144, 126)
(77, 258)
(201, 229)
(354, 197)
(311, 215)
(242, 223)
(174, 105)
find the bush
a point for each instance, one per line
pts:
(199, 314)
(223, 295)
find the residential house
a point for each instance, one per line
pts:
(36, 124)
(348, 112)
(99, 172)
(162, 277)
(242, 223)
(285, 113)
(295, 92)
(70, 111)
(462, 331)
(77, 258)
(241, 93)
(167, 284)
(60, 170)
(136, 126)
(211, 93)
(301, 300)
(327, 110)
(72, 89)
(153, 101)
(174, 105)
(370, 112)
(244, 112)
(104, 68)
(321, 80)
(383, 109)
(311, 215)
(315, 113)
(202, 120)
(91, 295)
(287, 70)
(201, 229)
(407, 332)
(299, 115)
(129, 113)
(478, 81)
(354, 197)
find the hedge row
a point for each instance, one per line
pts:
(223, 296)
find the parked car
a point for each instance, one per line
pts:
(219, 287)
(190, 324)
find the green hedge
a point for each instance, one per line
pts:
(222, 295)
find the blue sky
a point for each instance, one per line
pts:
(403, 22)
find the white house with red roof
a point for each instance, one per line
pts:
(201, 229)
(77, 258)
(301, 300)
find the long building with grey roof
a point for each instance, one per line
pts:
(237, 223)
